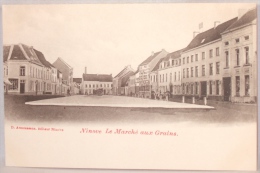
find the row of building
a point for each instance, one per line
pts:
(220, 64)
(26, 71)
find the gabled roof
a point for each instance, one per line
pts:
(42, 59)
(97, 77)
(64, 62)
(125, 78)
(121, 72)
(77, 80)
(173, 55)
(17, 53)
(156, 67)
(30, 53)
(247, 18)
(150, 58)
(6, 51)
(210, 35)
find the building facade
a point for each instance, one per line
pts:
(93, 82)
(239, 60)
(118, 78)
(145, 69)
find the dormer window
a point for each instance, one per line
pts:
(237, 40)
(202, 41)
(247, 37)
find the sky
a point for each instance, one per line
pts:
(107, 37)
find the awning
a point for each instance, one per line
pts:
(6, 81)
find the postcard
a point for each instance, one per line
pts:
(156, 86)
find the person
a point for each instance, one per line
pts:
(68, 92)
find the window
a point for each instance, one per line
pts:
(191, 72)
(196, 88)
(183, 73)
(217, 87)
(170, 77)
(179, 61)
(210, 87)
(163, 78)
(100, 85)
(211, 69)
(97, 85)
(247, 37)
(203, 70)
(226, 43)
(247, 85)
(22, 71)
(183, 61)
(86, 86)
(179, 76)
(217, 51)
(160, 78)
(89, 86)
(247, 54)
(188, 58)
(227, 59)
(172, 62)
(203, 55)
(210, 53)
(237, 85)
(166, 77)
(14, 85)
(187, 72)
(196, 71)
(175, 76)
(217, 67)
(237, 40)
(191, 58)
(237, 57)
(196, 57)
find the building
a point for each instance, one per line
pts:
(94, 82)
(124, 83)
(202, 67)
(117, 85)
(168, 74)
(133, 85)
(145, 69)
(221, 63)
(24, 70)
(77, 85)
(239, 58)
(67, 72)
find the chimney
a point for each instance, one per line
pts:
(216, 23)
(85, 70)
(152, 53)
(241, 12)
(195, 33)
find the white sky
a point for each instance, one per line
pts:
(107, 37)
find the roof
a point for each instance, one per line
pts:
(209, 35)
(247, 18)
(97, 77)
(64, 62)
(30, 53)
(173, 55)
(77, 80)
(125, 78)
(42, 58)
(6, 51)
(156, 67)
(17, 53)
(150, 58)
(121, 72)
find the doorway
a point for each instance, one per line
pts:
(227, 88)
(203, 88)
(22, 87)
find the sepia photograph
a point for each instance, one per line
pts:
(140, 86)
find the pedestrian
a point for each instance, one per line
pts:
(68, 92)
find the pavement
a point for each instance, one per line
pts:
(115, 101)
